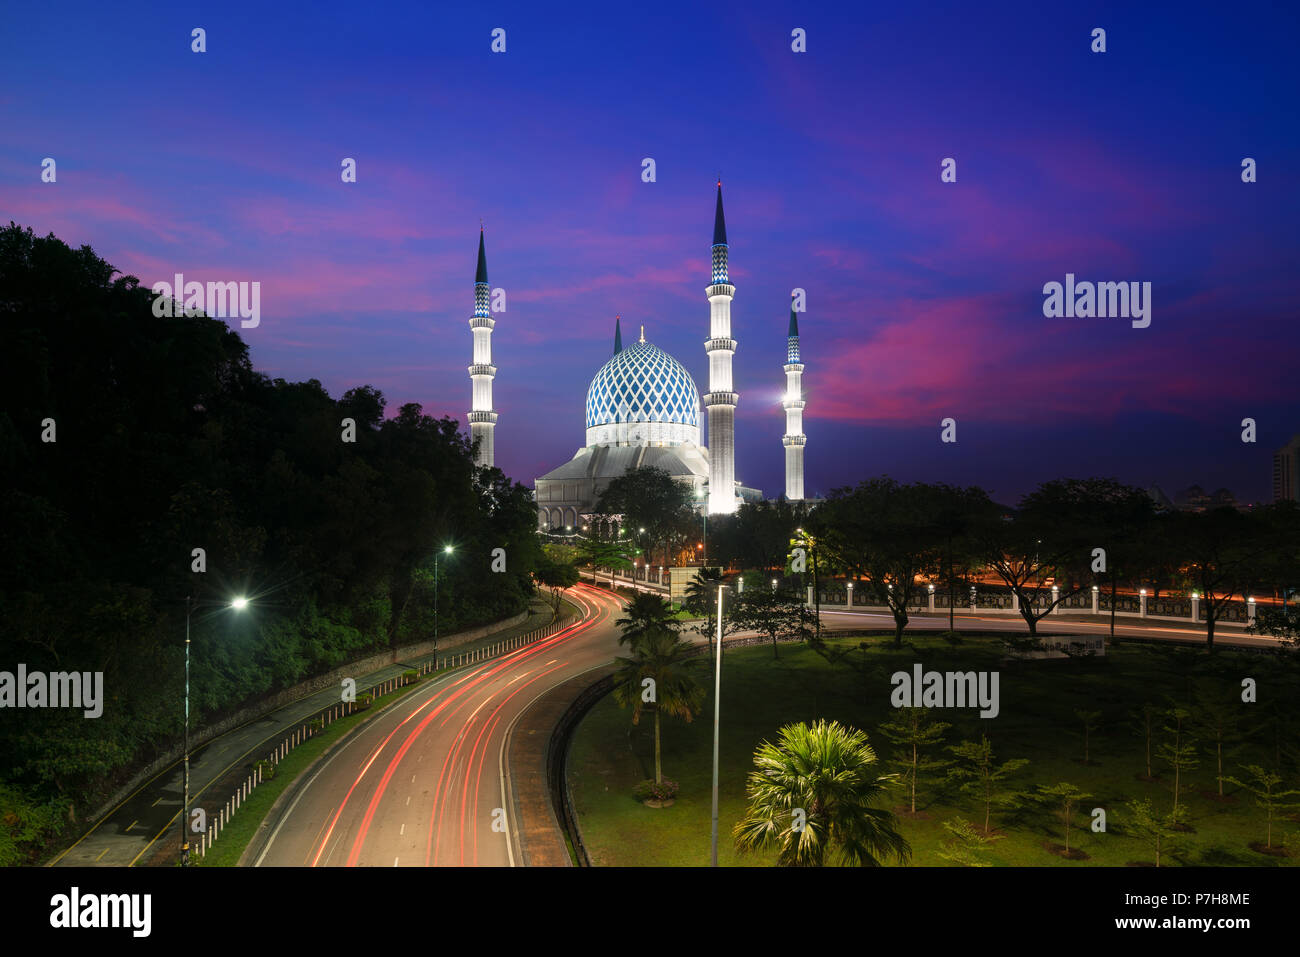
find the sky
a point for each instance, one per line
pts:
(924, 298)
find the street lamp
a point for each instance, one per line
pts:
(717, 714)
(773, 584)
(238, 604)
(447, 550)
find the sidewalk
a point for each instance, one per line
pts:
(144, 828)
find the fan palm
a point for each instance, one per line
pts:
(643, 613)
(812, 795)
(661, 656)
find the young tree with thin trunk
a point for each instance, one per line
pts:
(965, 845)
(1179, 752)
(1157, 832)
(1266, 787)
(916, 733)
(980, 776)
(1066, 798)
(1217, 713)
(1089, 719)
(1144, 722)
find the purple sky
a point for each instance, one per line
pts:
(924, 298)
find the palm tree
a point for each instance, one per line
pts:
(645, 612)
(659, 674)
(812, 794)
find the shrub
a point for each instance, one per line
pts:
(364, 701)
(410, 677)
(664, 791)
(267, 769)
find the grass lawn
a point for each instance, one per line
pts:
(1036, 721)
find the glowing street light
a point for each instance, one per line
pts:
(447, 550)
(238, 604)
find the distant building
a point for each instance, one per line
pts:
(1286, 471)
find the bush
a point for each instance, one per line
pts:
(317, 726)
(364, 701)
(410, 677)
(267, 769)
(664, 791)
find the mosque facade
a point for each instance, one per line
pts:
(644, 410)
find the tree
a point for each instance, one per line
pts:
(1144, 722)
(1222, 550)
(557, 578)
(1053, 535)
(644, 614)
(1178, 751)
(812, 795)
(979, 775)
(616, 556)
(656, 508)
(1066, 797)
(779, 615)
(1156, 831)
(915, 731)
(1217, 714)
(886, 535)
(659, 673)
(702, 600)
(965, 844)
(1265, 786)
(757, 535)
(1089, 719)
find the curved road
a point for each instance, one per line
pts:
(424, 782)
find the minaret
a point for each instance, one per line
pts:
(794, 440)
(618, 335)
(721, 399)
(482, 420)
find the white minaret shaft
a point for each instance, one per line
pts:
(794, 439)
(482, 418)
(721, 398)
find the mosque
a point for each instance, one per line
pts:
(643, 410)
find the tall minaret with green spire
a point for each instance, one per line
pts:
(722, 397)
(482, 418)
(794, 439)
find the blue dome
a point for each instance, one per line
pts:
(642, 384)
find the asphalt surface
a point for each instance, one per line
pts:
(146, 823)
(425, 781)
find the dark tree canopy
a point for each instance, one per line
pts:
(168, 440)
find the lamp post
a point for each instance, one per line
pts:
(717, 714)
(436, 618)
(704, 538)
(238, 604)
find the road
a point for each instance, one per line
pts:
(424, 782)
